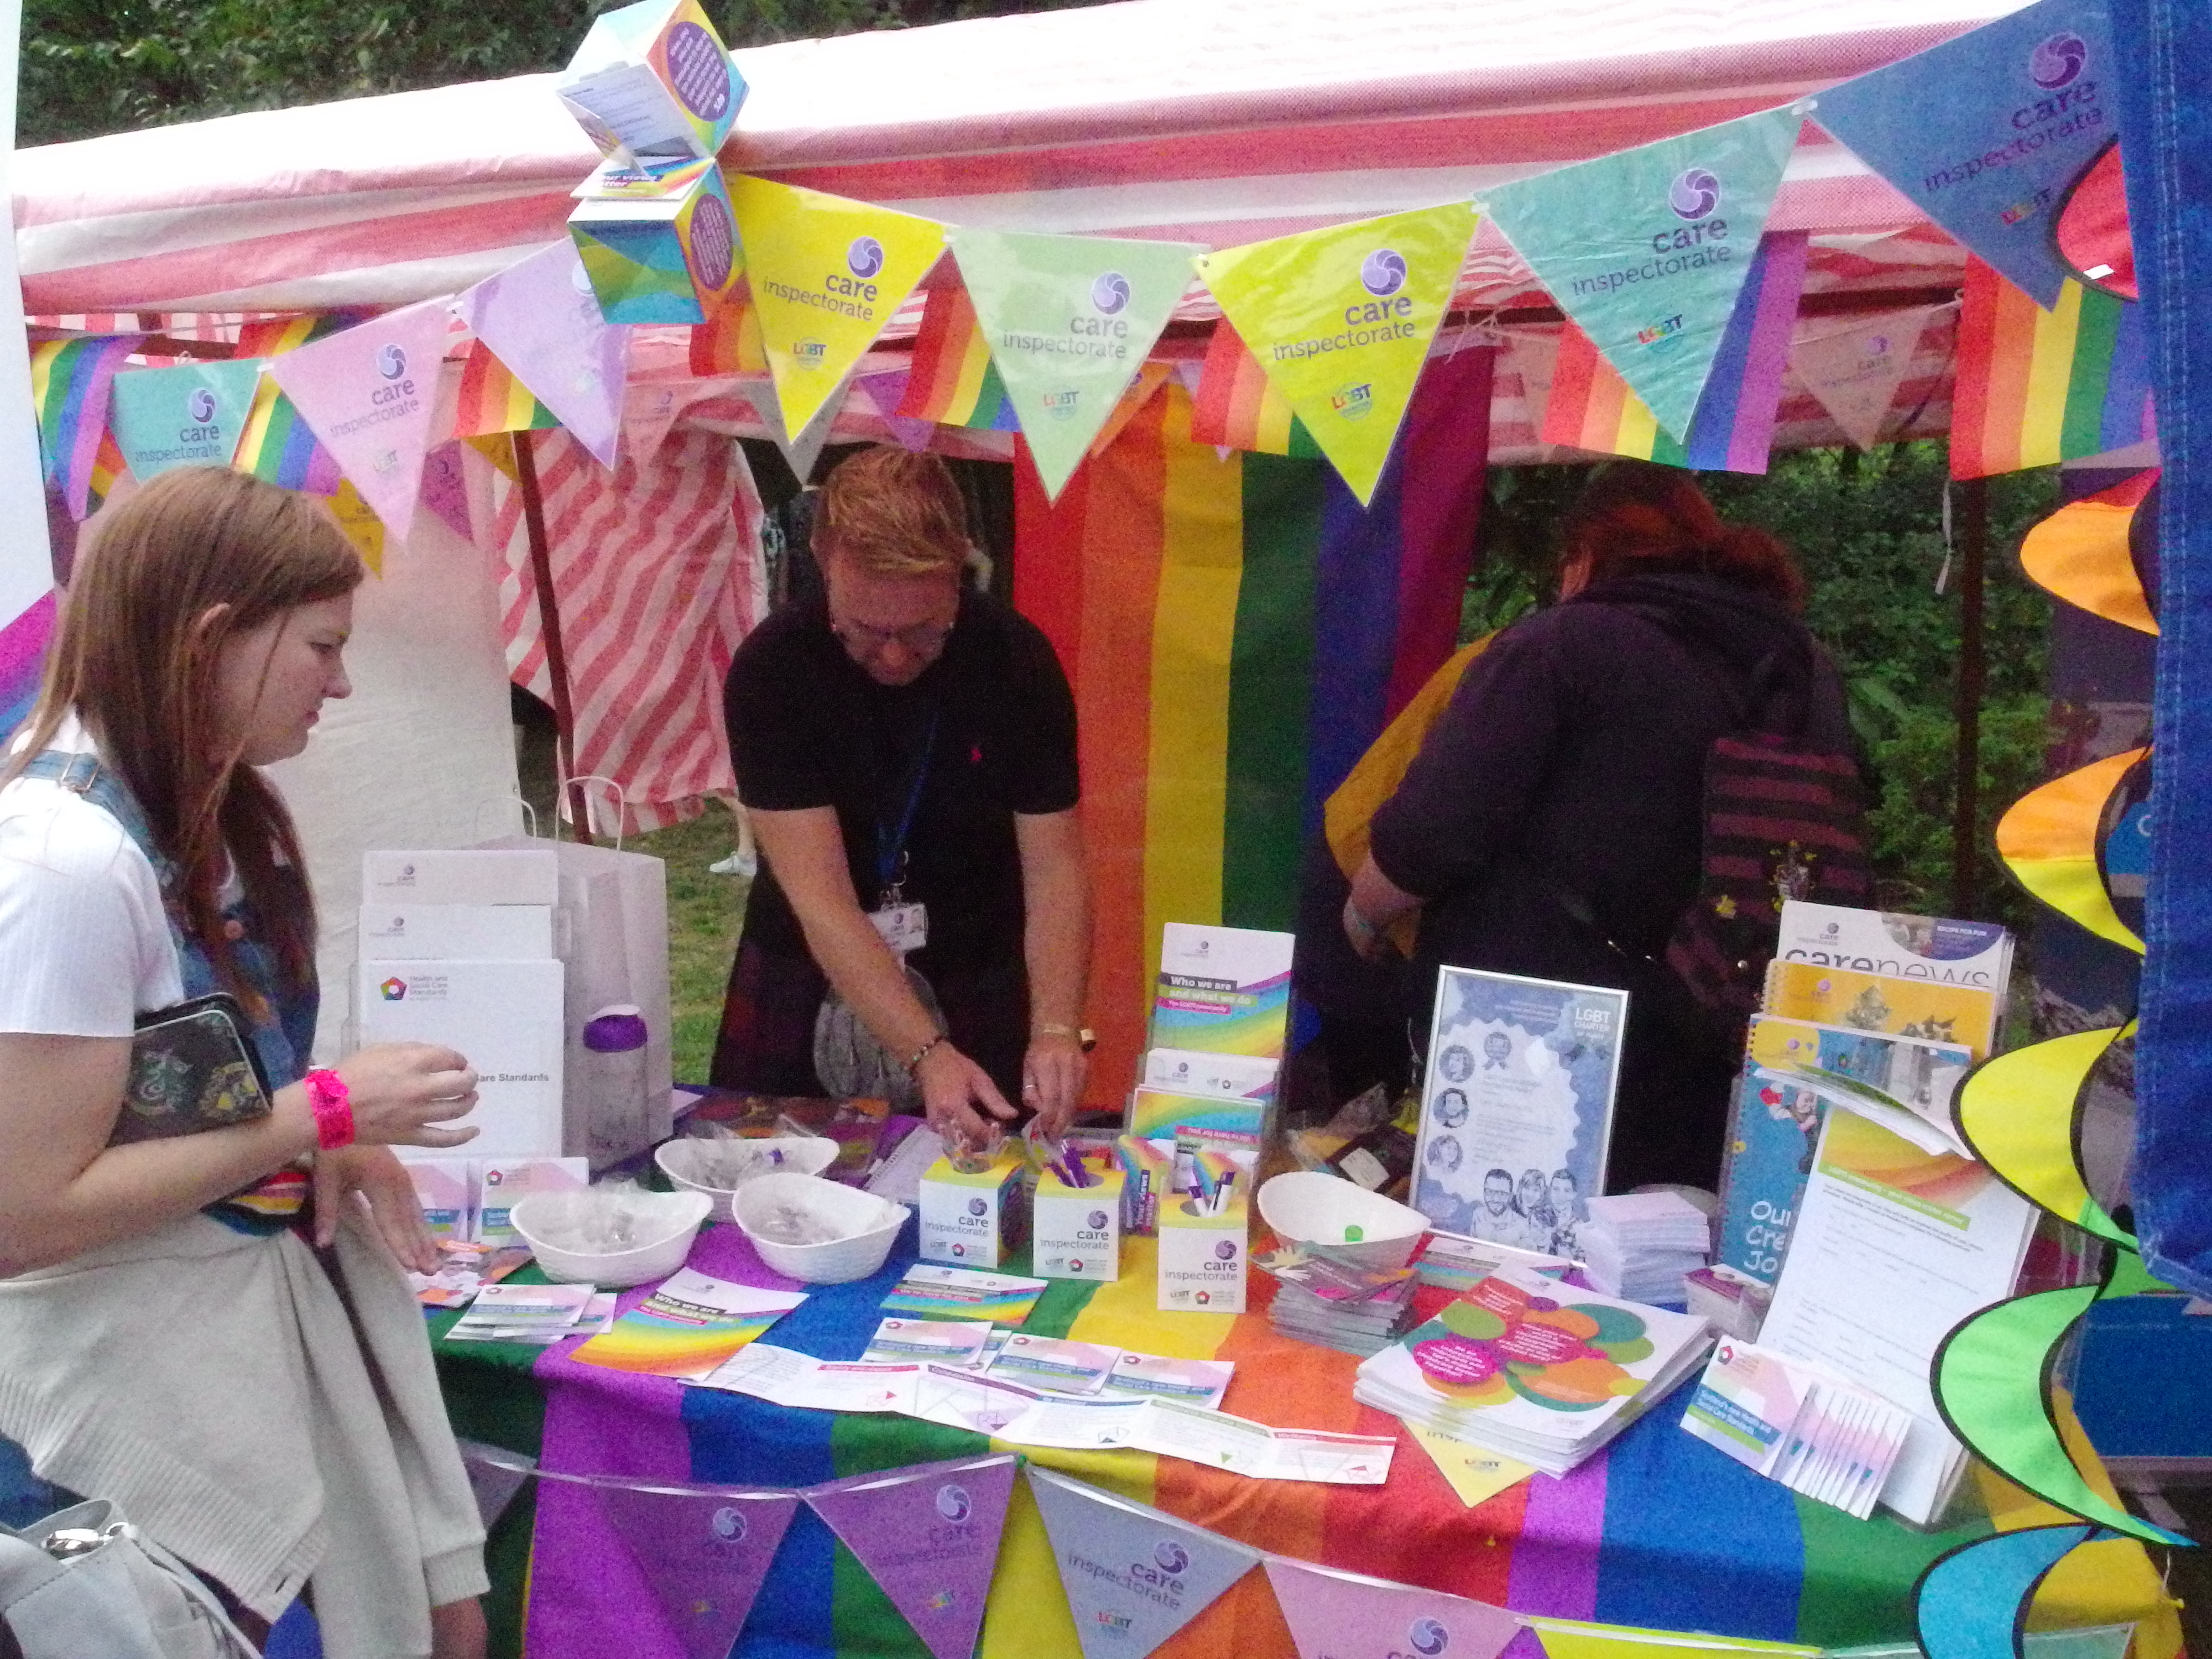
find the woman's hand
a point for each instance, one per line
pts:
(1052, 1078)
(357, 1175)
(400, 1092)
(952, 1086)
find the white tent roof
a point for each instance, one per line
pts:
(1215, 121)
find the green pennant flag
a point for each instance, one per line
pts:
(1646, 249)
(1068, 320)
(188, 415)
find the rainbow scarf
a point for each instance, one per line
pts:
(953, 380)
(493, 400)
(1240, 407)
(1620, 1540)
(70, 380)
(2035, 387)
(1593, 409)
(1236, 632)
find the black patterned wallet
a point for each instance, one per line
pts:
(192, 1069)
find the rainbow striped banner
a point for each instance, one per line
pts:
(493, 400)
(952, 381)
(2035, 387)
(1592, 408)
(277, 446)
(70, 380)
(729, 341)
(1240, 407)
(1274, 627)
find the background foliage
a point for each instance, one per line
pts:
(98, 66)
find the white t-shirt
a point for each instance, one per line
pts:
(84, 942)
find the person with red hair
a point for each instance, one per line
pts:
(1552, 825)
(905, 746)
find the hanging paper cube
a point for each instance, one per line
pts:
(652, 83)
(670, 259)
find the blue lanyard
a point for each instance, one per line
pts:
(890, 844)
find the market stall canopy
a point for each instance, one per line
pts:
(1213, 121)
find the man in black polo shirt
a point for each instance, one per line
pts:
(905, 747)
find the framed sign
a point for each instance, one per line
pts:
(1516, 1108)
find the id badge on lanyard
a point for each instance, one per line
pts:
(904, 926)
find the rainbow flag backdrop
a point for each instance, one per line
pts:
(953, 380)
(70, 385)
(2035, 387)
(493, 400)
(1274, 627)
(1240, 407)
(1592, 408)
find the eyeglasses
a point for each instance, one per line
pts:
(922, 638)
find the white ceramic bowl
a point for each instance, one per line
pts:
(1305, 1206)
(673, 1219)
(685, 1161)
(866, 1225)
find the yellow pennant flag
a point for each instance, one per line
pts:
(1341, 319)
(361, 525)
(826, 274)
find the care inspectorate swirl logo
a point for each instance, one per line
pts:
(2058, 61)
(976, 1207)
(729, 1526)
(1226, 1249)
(1382, 273)
(952, 1503)
(1110, 293)
(864, 258)
(391, 362)
(1694, 193)
(1171, 1556)
(1098, 1220)
(200, 406)
(1427, 1636)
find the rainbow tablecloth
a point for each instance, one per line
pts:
(1661, 1531)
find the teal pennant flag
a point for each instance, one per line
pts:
(1646, 249)
(188, 415)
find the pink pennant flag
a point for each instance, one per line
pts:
(705, 1553)
(885, 390)
(929, 1536)
(446, 489)
(1348, 1615)
(368, 394)
(652, 408)
(541, 320)
(1854, 368)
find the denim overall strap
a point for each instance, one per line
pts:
(281, 1035)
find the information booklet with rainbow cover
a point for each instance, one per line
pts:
(688, 1326)
(1224, 990)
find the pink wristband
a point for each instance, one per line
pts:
(333, 1109)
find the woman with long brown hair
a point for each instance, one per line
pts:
(210, 1327)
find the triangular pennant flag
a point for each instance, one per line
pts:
(729, 341)
(800, 453)
(951, 379)
(1348, 1615)
(1236, 405)
(491, 399)
(2034, 386)
(1150, 379)
(362, 527)
(368, 395)
(1133, 1576)
(190, 415)
(1535, 359)
(1341, 320)
(1853, 370)
(705, 1554)
(1563, 1638)
(1068, 321)
(71, 381)
(540, 319)
(1985, 131)
(445, 490)
(277, 446)
(929, 1537)
(652, 408)
(887, 390)
(1646, 249)
(826, 274)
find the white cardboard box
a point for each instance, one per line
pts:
(456, 933)
(505, 1016)
(1201, 1258)
(457, 876)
